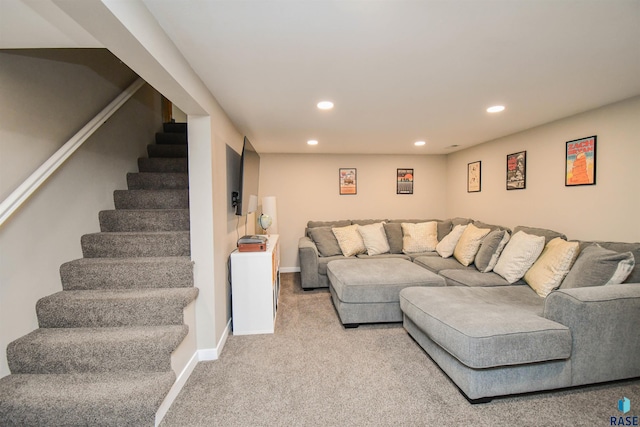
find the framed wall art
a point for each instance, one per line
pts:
(580, 162)
(348, 181)
(474, 176)
(404, 182)
(517, 171)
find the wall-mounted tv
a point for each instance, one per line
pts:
(246, 199)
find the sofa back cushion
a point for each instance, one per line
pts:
(491, 227)
(544, 232)
(325, 241)
(597, 266)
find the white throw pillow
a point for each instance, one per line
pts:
(420, 237)
(518, 256)
(375, 239)
(547, 272)
(448, 243)
(350, 240)
(469, 243)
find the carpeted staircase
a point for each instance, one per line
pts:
(102, 354)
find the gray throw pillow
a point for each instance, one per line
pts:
(490, 249)
(394, 236)
(597, 266)
(325, 241)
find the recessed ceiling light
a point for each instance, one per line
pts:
(312, 142)
(325, 105)
(495, 109)
(419, 143)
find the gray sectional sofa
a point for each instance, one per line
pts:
(491, 334)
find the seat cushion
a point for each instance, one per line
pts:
(473, 278)
(487, 327)
(436, 263)
(377, 280)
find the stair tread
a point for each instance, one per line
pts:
(181, 296)
(67, 350)
(110, 398)
(135, 260)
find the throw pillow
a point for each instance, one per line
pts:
(554, 263)
(420, 237)
(350, 240)
(393, 230)
(490, 250)
(469, 243)
(374, 238)
(597, 266)
(446, 246)
(519, 255)
(325, 241)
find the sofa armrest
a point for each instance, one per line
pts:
(308, 253)
(603, 322)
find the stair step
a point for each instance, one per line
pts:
(127, 273)
(157, 181)
(144, 220)
(155, 150)
(104, 399)
(160, 164)
(171, 138)
(79, 350)
(176, 127)
(113, 308)
(151, 199)
(136, 244)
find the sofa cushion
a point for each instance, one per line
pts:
(381, 256)
(448, 243)
(458, 220)
(374, 238)
(469, 243)
(325, 241)
(511, 331)
(490, 250)
(554, 263)
(437, 263)
(519, 255)
(377, 281)
(367, 221)
(339, 223)
(323, 261)
(349, 239)
(420, 237)
(491, 227)
(472, 278)
(393, 230)
(546, 233)
(597, 266)
(634, 248)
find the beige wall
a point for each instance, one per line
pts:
(306, 188)
(605, 211)
(45, 232)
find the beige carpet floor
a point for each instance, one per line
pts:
(313, 372)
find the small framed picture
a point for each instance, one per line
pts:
(404, 182)
(580, 162)
(517, 171)
(348, 181)
(474, 177)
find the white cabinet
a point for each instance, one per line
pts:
(255, 285)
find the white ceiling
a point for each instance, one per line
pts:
(401, 71)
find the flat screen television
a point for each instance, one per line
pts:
(246, 199)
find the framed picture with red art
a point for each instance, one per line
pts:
(580, 162)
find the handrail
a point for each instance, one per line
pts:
(33, 182)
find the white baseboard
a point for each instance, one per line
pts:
(214, 353)
(181, 380)
(289, 269)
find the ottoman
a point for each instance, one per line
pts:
(367, 290)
